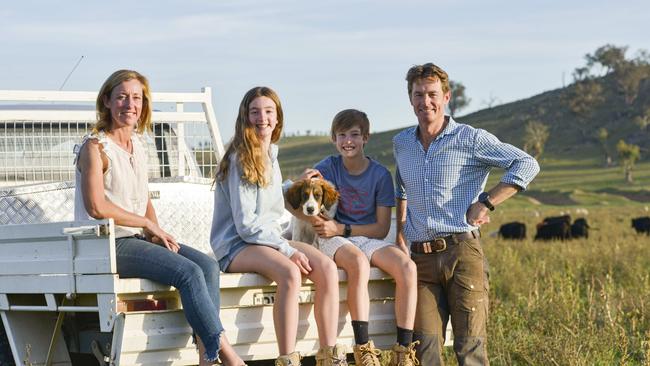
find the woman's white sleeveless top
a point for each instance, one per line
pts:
(125, 180)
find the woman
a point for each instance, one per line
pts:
(246, 234)
(112, 182)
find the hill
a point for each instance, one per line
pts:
(570, 134)
(572, 163)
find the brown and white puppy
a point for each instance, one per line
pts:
(313, 197)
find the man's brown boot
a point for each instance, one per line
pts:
(292, 359)
(404, 356)
(332, 356)
(366, 354)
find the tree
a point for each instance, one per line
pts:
(491, 101)
(458, 99)
(643, 120)
(581, 74)
(603, 134)
(629, 154)
(608, 56)
(586, 95)
(629, 76)
(535, 137)
(629, 73)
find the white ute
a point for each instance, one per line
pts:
(61, 300)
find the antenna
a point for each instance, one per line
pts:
(71, 71)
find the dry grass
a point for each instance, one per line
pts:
(580, 302)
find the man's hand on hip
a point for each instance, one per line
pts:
(477, 214)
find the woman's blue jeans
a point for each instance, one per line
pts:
(193, 273)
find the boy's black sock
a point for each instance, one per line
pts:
(360, 329)
(404, 336)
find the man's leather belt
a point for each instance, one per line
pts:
(440, 244)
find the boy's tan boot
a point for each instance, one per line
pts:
(366, 354)
(332, 356)
(292, 359)
(404, 356)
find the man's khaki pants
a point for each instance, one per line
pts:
(453, 283)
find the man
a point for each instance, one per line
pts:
(442, 168)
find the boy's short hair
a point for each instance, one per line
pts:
(428, 71)
(348, 118)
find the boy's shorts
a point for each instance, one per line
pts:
(368, 246)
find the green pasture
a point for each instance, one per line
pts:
(562, 184)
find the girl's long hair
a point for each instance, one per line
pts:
(104, 119)
(245, 143)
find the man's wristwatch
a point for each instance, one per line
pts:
(484, 198)
(347, 230)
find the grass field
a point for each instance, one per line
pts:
(580, 302)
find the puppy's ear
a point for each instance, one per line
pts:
(330, 195)
(294, 194)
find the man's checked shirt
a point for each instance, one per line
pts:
(440, 184)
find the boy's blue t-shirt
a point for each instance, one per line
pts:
(360, 194)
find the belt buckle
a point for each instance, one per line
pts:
(444, 244)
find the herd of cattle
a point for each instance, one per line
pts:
(561, 228)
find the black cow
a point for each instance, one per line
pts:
(641, 224)
(556, 219)
(513, 230)
(556, 227)
(580, 228)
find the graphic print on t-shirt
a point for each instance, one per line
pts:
(353, 201)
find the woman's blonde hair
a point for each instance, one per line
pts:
(245, 143)
(104, 119)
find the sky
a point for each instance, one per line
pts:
(321, 57)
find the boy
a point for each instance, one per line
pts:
(355, 236)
